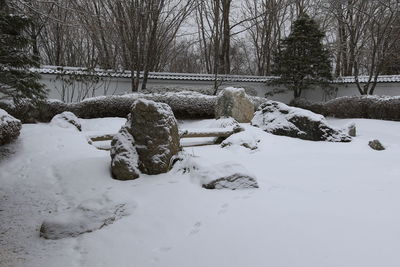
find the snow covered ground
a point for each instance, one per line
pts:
(319, 203)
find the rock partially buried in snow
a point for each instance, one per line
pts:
(10, 127)
(66, 120)
(376, 145)
(226, 175)
(352, 130)
(280, 119)
(124, 157)
(83, 219)
(233, 102)
(156, 135)
(245, 139)
(224, 122)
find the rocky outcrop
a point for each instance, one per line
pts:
(280, 119)
(10, 127)
(233, 102)
(124, 157)
(155, 131)
(66, 120)
(376, 145)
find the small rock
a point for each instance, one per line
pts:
(66, 120)
(351, 129)
(245, 139)
(235, 103)
(227, 175)
(376, 145)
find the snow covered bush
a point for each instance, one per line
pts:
(185, 105)
(66, 120)
(9, 127)
(280, 119)
(368, 107)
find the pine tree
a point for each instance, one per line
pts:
(16, 80)
(302, 61)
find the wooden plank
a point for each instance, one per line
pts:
(217, 132)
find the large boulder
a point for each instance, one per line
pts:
(124, 157)
(156, 135)
(66, 120)
(280, 119)
(10, 127)
(233, 102)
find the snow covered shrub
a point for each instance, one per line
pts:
(9, 127)
(280, 119)
(369, 107)
(66, 120)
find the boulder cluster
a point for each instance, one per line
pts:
(147, 143)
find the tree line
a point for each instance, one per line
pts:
(210, 36)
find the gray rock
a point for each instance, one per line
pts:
(226, 175)
(352, 130)
(156, 135)
(233, 182)
(66, 120)
(10, 127)
(376, 145)
(80, 220)
(233, 102)
(280, 119)
(124, 157)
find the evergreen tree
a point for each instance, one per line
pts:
(16, 81)
(302, 61)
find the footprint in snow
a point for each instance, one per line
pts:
(196, 228)
(224, 209)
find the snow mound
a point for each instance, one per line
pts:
(10, 127)
(280, 119)
(246, 139)
(66, 120)
(227, 175)
(85, 218)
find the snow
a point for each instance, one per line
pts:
(318, 203)
(66, 120)
(5, 117)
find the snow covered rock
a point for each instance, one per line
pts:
(280, 119)
(233, 102)
(227, 175)
(66, 120)
(9, 127)
(246, 139)
(156, 135)
(83, 219)
(351, 129)
(124, 157)
(376, 145)
(224, 122)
